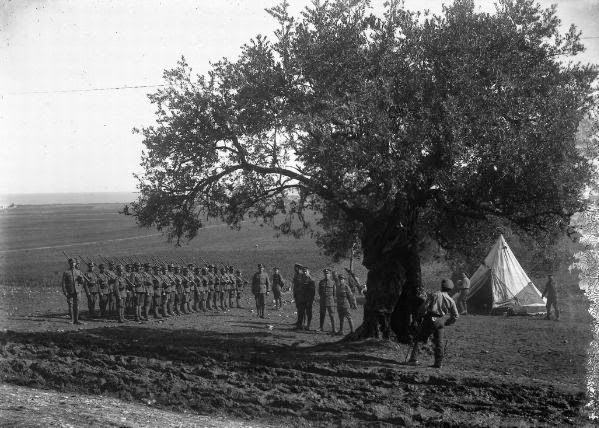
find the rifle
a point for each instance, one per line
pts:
(66, 255)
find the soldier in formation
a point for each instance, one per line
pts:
(151, 289)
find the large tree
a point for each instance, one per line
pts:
(398, 129)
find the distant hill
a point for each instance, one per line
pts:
(67, 198)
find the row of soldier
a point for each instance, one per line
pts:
(142, 288)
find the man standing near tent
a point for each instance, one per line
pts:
(463, 297)
(551, 294)
(432, 314)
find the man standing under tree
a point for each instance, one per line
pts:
(308, 288)
(260, 288)
(297, 295)
(326, 293)
(345, 301)
(277, 286)
(432, 320)
(551, 294)
(72, 284)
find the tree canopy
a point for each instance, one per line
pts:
(396, 128)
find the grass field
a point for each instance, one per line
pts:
(499, 371)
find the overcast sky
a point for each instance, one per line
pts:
(54, 139)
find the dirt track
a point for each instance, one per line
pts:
(526, 372)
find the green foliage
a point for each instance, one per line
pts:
(397, 129)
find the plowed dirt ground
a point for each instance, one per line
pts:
(500, 371)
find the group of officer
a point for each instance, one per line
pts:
(165, 290)
(334, 291)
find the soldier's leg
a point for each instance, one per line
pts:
(238, 294)
(147, 305)
(556, 309)
(111, 304)
(341, 317)
(309, 315)
(90, 307)
(103, 303)
(70, 305)
(332, 318)
(76, 309)
(350, 322)
(262, 304)
(438, 345)
(300, 314)
(322, 316)
(171, 303)
(548, 309)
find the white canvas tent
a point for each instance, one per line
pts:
(500, 283)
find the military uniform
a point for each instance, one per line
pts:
(165, 284)
(92, 289)
(260, 288)
(232, 286)
(137, 279)
(551, 294)
(149, 291)
(277, 287)
(111, 274)
(308, 291)
(72, 286)
(224, 293)
(297, 296)
(105, 285)
(240, 283)
(463, 297)
(327, 291)
(345, 301)
(432, 320)
(210, 300)
(178, 291)
(120, 293)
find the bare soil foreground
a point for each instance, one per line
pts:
(500, 371)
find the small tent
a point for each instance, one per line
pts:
(500, 284)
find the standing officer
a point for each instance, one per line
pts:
(240, 283)
(91, 288)
(156, 291)
(149, 291)
(308, 288)
(327, 293)
(463, 297)
(170, 273)
(260, 288)
(432, 314)
(165, 291)
(297, 295)
(551, 293)
(72, 284)
(120, 292)
(110, 275)
(139, 289)
(277, 286)
(104, 290)
(345, 301)
(178, 291)
(210, 293)
(232, 286)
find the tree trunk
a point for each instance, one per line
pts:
(393, 283)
